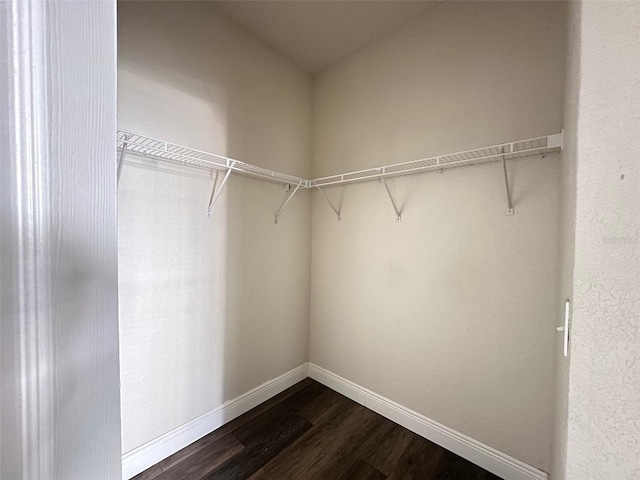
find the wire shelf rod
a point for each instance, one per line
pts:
(174, 153)
(376, 173)
(166, 151)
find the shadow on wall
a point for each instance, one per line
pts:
(193, 77)
(206, 304)
(171, 257)
(173, 300)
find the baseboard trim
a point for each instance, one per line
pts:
(487, 457)
(147, 455)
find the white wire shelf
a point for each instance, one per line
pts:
(178, 154)
(508, 151)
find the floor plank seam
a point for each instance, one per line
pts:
(310, 432)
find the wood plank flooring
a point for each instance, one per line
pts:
(310, 432)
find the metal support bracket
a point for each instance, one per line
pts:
(215, 194)
(285, 202)
(393, 202)
(329, 202)
(506, 184)
(121, 159)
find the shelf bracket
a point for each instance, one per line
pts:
(121, 159)
(506, 184)
(215, 194)
(393, 202)
(329, 202)
(286, 201)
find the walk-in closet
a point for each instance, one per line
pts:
(382, 218)
(320, 240)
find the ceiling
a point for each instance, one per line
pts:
(315, 34)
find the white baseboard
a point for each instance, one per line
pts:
(147, 455)
(476, 452)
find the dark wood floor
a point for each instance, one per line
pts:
(311, 432)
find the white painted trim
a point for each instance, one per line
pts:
(59, 299)
(487, 457)
(147, 455)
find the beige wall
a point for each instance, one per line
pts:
(566, 231)
(458, 78)
(603, 434)
(209, 307)
(450, 312)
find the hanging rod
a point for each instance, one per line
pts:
(545, 145)
(177, 154)
(173, 153)
(170, 152)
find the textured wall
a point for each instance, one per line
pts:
(209, 307)
(467, 74)
(566, 235)
(604, 380)
(450, 312)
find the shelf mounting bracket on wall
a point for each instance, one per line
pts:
(122, 155)
(131, 142)
(215, 194)
(286, 201)
(506, 184)
(329, 202)
(393, 202)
